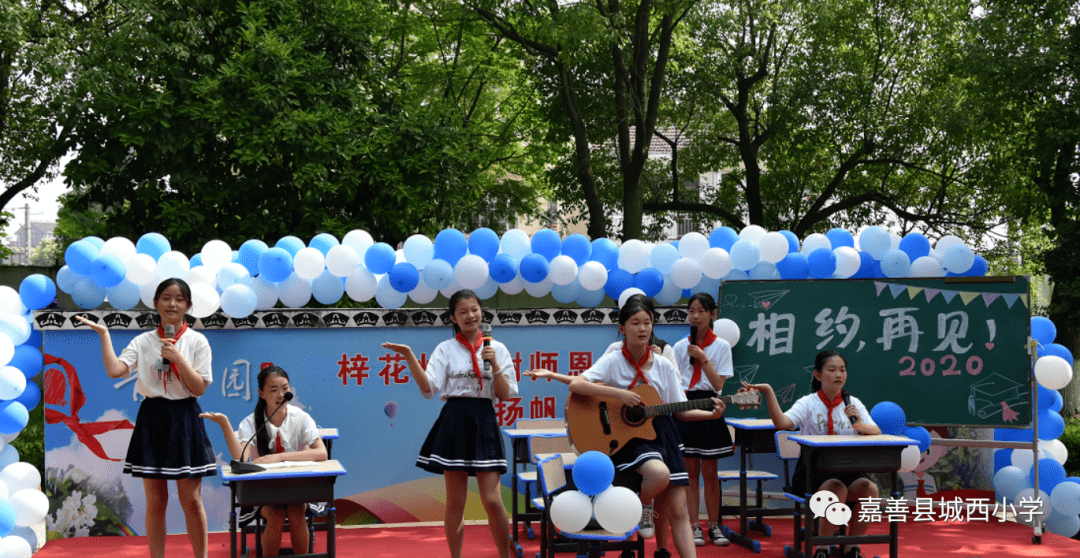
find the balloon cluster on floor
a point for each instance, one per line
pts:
(617, 509)
(891, 419)
(1014, 477)
(22, 503)
(575, 269)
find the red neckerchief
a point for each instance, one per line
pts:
(709, 338)
(161, 333)
(829, 406)
(637, 365)
(278, 447)
(472, 348)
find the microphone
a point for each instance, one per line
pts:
(485, 330)
(170, 332)
(244, 467)
(693, 341)
(847, 401)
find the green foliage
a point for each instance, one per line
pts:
(48, 254)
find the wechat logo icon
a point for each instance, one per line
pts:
(825, 503)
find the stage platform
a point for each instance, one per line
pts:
(938, 539)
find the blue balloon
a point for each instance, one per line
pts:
(792, 241)
(1013, 434)
(438, 274)
(794, 266)
(290, 244)
(323, 242)
(35, 339)
(124, 296)
(618, 280)
(590, 299)
(919, 434)
(606, 252)
(450, 245)
(1050, 474)
(80, 256)
(687, 293)
(840, 237)
(650, 281)
(578, 248)
(733, 275)
(87, 294)
(37, 291)
(27, 534)
(7, 518)
(744, 255)
(28, 359)
(978, 268)
(1051, 425)
(30, 397)
(565, 293)
(196, 261)
(327, 288)
(108, 271)
(1002, 458)
(866, 267)
(1046, 397)
(248, 255)
(66, 278)
(534, 268)
(707, 286)
(1058, 402)
(764, 270)
(275, 264)
(379, 258)
(593, 472)
(896, 263)
(724, 237)
(8, 455)
(547, 243)
(1009, 481)
(1043, 330)
(152, 244)
(13, 417)
(915, 245)
(503, 268)
(484, 242)
(235, 258)
(822, 263)
(889, 417)
(1054, 349)
(95, 240)
(404, 277)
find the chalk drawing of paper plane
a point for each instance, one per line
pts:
(988, 396)
(765, 299)
(786, 394)
(745, 373)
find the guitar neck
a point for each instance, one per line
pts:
(694, 404)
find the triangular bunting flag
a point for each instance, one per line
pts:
(948, 295)
(968, 296)
(913, 291)
(931, 293)
(896, 289)
(1024, 298)
(879, 286)
(1010, 299)
(989, 298)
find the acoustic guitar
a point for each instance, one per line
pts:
(605, 424)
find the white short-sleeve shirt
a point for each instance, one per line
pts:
(144, 355)
(298, 430)
(450, 371)
(614, 370)
(719, 354)
(667, 353)
(810, 415)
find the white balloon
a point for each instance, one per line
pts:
(626, 294)
(1053, 372)
(172, 264)
(727, 330)
(418, 250)
(633, 256)
(204, 300)
(341, 260)
(540, 289)
(7, 350)
(266, 293)
(669, 294)
(592, 276)
(1039, 504)
(716, 263)
(752, 233)
(944, 242)
(295, 291)
(571, 511)
(813, 242)
(563, 270)
(894, 241)
(120, 247)
(360, 285)
(216, 254)
(774, 247)
(147, 290)
(30, 505)
(1055, 449)
(239, 301)
(471, 272)
(15, 327)
(686, 273)
(423, 293)
(10, 303)
(515, 243)
(13, 546)
(926, 266)
(358, 240)
(141, 268)
(1024, 458)
(201, 274)
(517, 284)
(12, 382)
(909, 459)
(693, 245)
(447, 291)
(847, 261)
(19, 476)
(232, 274)
(387, 296)
(617, 509)
(309, 263)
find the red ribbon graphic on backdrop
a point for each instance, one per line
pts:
(55, 389)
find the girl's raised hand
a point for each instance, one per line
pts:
(219, 418)
(763, 388)
(100, 329)
(398, 348)
(169, 351)
(488, 354)
(539, 373)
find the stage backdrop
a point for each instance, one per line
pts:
(339, 374)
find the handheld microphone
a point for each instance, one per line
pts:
(485, 330)
(693, 340)
(847, 401)
(243, 467)
(170, 332)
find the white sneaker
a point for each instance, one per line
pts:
(699, 537)
(647, 527)
(716, 535)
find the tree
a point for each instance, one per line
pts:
(607, 63)
(1025, 67)
(216, 119)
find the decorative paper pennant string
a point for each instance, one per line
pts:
(1010, 299)
(879, 286)
(948, 295)
(896, 289)
(968, 296)
(989, 298)
(1024, 298)
(931, 293)
(913, 292)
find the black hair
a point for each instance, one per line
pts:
(819, 363)
(262, 441)
(463, 294)
(643, 302)
(705, 299)
(184, 289)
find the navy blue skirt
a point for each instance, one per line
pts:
(705, 439)
(465, 437)
(169, 441)
(667, 447)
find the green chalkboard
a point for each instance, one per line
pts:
(949, 351)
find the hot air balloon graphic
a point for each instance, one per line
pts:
(390, 409)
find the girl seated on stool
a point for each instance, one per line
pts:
(824, 412)
(289, 434)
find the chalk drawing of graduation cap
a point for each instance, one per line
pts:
(998, 394)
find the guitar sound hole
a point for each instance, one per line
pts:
(633, 416)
